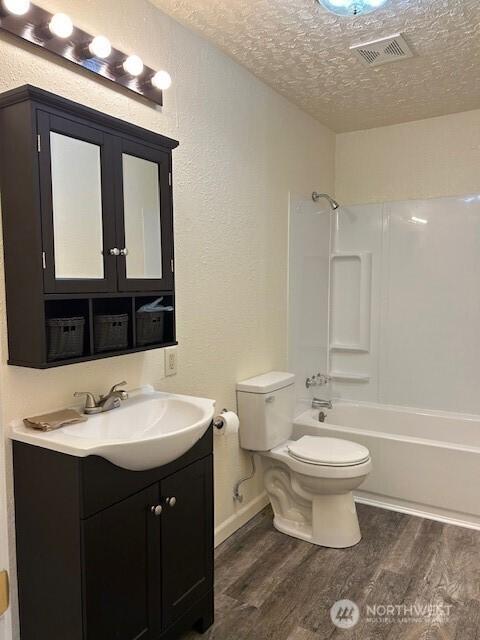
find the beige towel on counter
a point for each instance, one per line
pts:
(55, 420)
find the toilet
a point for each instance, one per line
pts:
(309, 480)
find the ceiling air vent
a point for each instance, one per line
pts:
(383, 50)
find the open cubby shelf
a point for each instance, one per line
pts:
(96, 356)
(113, 294)
(88, 307)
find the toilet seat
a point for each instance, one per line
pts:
(328, 452)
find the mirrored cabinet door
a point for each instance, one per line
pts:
(145, 232)
(77, 196)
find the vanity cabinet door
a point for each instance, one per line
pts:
(122, 570)
(144, 217)
(77, 204)
(187, 538)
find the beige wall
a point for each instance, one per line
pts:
(242, 149)
(423, 159)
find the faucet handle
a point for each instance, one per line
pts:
(119, 384)
(90, 402)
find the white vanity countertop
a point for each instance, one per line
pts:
(149, 429)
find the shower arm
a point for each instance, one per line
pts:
(333, 203)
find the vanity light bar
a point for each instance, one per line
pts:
(57, 34)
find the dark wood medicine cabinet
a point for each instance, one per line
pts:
(88, 231)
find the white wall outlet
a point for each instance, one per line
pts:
(170, 361)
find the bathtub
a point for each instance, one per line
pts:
(425, 463)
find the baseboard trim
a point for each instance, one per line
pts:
(241, 517)
(418, 511)
(250, 510)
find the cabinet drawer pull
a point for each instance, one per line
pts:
(114, 252)
(124, 252)
(156, 510)
(171, 502)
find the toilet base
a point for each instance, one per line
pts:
(318, 509)
(334, 523)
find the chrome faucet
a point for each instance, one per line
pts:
(318, 403)
(110, 401)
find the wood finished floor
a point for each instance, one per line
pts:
(270, 586)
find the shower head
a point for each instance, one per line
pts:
(333, 203)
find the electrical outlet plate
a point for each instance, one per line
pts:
(4, 592)
(170, 361)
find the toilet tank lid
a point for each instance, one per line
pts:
(267, 382)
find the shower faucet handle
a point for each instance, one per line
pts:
(317, 380)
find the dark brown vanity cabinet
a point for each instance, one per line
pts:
(87, 224)
(109, 554)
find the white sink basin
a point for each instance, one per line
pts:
(148, 430)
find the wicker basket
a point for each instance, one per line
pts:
(111, 332)
(65, 337)
(150, 327)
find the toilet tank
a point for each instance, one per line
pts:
(265, 408)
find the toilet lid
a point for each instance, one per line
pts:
(331, 452)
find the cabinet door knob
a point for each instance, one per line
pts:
(114, 252)
(156, 510)
(171, 502)
(124, 252)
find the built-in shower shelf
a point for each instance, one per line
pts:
(349, 377)
(352, 348)
(351, 284)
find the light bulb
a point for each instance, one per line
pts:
(351, 7)
(61, 25)
(162, 80)
(133, 65)
(17, 7)
(100, 47)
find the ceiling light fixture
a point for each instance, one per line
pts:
(58, 34)
(351, 7)
(16, 7)
(61, 26)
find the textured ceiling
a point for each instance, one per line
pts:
(302, 51)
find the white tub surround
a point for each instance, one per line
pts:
(404, 305)
(426, 463)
